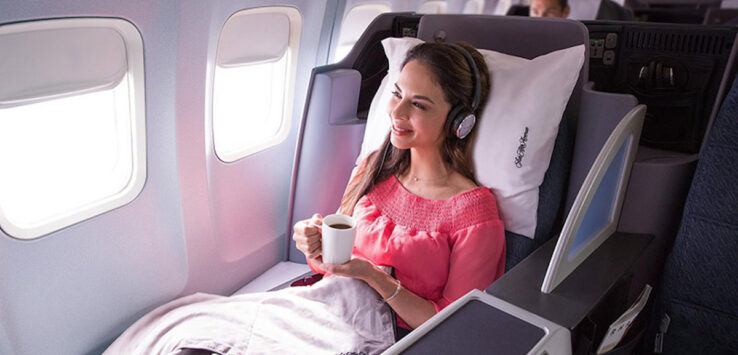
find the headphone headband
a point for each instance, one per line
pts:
(459, 122)
(475, 75)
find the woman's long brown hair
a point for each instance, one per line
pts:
(453, 74)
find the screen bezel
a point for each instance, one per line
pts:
(561, 265)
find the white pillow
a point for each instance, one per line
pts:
(527, 95)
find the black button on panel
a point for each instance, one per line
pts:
(611, 40)
(596, 47)
(608, 58)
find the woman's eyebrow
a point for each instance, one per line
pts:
(421, 97)
(424, 98)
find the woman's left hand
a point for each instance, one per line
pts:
(356, 268)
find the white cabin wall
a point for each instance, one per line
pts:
(235, 214)
(199, 224)
(71, 290)
(4, 340)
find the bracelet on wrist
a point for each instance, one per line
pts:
(397, 292)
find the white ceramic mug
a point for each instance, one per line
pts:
(338, 238)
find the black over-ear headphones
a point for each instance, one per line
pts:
(460, 120)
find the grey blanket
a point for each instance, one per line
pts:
(336, 315)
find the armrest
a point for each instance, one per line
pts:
(479, 323)
(580, 293)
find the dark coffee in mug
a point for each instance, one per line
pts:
(339, 226)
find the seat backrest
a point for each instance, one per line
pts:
(716, 16)
(610, 10)
(699, 290)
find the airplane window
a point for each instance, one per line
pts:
(354, 24)
(433, 7)
(72, 131)
(254, 81)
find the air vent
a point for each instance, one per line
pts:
(679, 42)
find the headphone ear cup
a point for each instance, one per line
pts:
(465, 125)
(456, 114)
(459, 123)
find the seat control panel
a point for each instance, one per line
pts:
(603, 46)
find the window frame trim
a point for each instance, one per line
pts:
(137, 108)
(292, 53)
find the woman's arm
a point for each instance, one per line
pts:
(477, 259)
(413, 309)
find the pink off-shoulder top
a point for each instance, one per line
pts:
(440, 249)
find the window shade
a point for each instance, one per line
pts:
(249, 38)
(40, 64)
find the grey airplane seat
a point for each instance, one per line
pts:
(718, 16)
(610, 10)
(698, 289)
(589, 115)
(469, 29)
(687, 12)
(339, 97)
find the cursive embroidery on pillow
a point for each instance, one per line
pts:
(521, 149)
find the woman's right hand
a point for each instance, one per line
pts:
(307, 238)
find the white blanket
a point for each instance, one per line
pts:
(335, 315)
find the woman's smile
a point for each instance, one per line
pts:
(398, 131)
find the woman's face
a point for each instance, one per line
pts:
(417, 109)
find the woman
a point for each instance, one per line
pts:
(416, 201)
